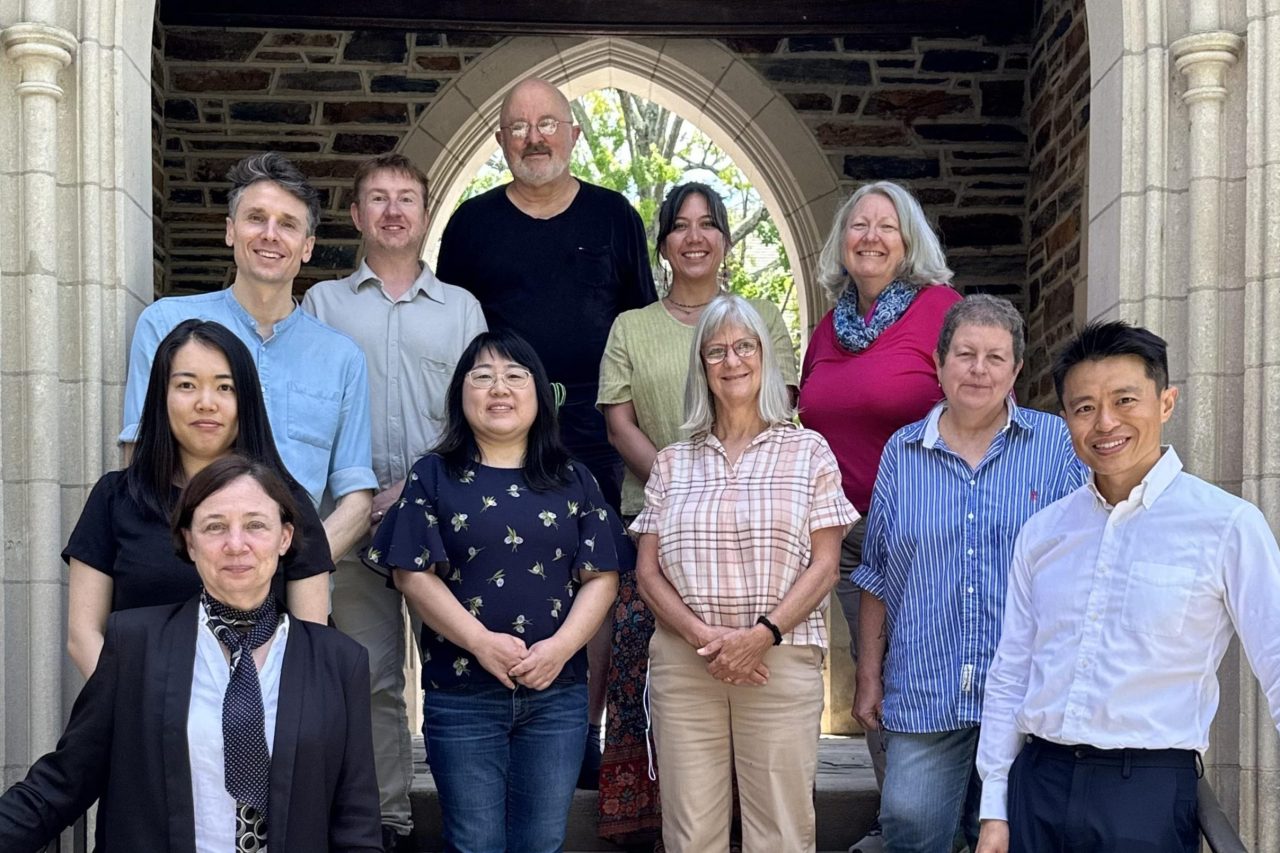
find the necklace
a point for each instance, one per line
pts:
(687, 308)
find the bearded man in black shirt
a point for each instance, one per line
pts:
(555, 259)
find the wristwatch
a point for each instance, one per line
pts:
(773, 629)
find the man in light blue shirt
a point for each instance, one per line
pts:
(313, 378)
(951, 494)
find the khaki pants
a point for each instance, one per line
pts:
(704, 727)
(367, 611)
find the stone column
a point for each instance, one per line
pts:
(75, 267)
(1259, 754)
(32, 571)
(1204, 58)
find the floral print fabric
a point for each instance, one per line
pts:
(511, 555)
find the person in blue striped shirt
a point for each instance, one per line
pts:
(952, 492)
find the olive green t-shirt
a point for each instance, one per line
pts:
(645, 363)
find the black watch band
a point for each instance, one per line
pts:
(773, 629)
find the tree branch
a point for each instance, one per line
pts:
(583, 120)
(749, 224)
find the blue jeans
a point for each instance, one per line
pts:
(931, 789)
(505, 763)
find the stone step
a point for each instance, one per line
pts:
(846, 802)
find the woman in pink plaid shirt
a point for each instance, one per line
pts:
(739, 547)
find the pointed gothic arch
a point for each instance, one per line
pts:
(698, 79)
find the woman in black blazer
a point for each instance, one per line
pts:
(146, 735)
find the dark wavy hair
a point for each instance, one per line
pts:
(157, 462)
(545, 459)
(675, 200)
(215, 477)
(1100, 340)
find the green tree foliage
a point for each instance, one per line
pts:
(641, 150)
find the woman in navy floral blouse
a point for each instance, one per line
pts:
(501, 543)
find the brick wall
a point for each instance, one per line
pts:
(944, 117)
(159, 244)
(1058, 116)
(948, 118)
(326, 99)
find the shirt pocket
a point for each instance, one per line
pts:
(313, 415)
(593, 266)
(436, 376)
(1156, 598)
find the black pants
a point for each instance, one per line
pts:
(1078, 799)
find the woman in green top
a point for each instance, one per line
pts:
(642, 379)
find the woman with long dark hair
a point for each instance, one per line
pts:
(203, 402)
(501, 544)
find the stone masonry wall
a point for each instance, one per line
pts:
(325, 99)
(945, 117)
(159, 245)
(1058, 116)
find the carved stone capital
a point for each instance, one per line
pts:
(1204, 58)
(41, 51)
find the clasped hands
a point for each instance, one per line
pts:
(509, 660)
(736, 655)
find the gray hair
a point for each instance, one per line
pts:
(774, 402)
(275, 167)
(924, 261)
(982, 309)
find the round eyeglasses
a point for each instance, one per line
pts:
(546, 126)
(485, 378)
(743, 348)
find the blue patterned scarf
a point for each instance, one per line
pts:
(856, 334)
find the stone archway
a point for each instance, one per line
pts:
(700, 80)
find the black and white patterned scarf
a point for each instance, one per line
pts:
(244, 737)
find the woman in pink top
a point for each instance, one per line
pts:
(869, 367)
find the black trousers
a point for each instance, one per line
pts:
(1078, 799)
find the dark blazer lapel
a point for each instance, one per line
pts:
(177, 656)
(293, 681)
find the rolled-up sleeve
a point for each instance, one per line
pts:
(615, 368)
(654, 495)
(828, 505)
(880, 524)
(351, 463)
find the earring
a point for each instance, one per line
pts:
(722, 277)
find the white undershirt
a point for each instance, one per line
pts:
(215, 809)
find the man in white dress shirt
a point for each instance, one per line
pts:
(1122, 599)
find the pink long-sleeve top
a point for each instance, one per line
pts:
(857, 400)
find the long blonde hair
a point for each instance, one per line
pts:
(923, 262)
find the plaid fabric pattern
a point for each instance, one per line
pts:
(733, 539)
